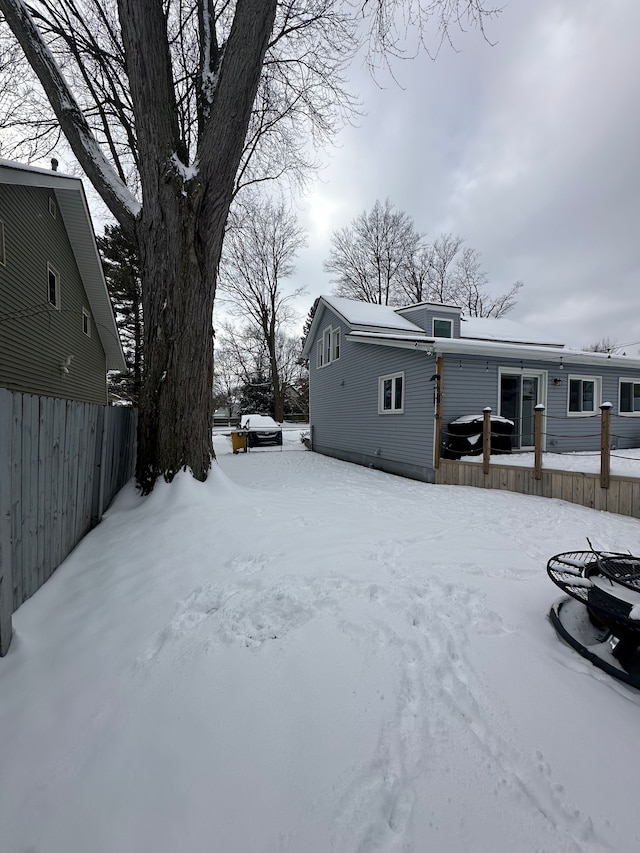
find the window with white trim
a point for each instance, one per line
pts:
(335, 344)
(391, 394)
(53, 286)
(584, 395)
(3, 257)
(328, 347)
(86, 323)
(442, 327)
(629, 397)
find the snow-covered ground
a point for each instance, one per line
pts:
(304, 655)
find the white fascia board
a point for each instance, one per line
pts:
(456, 346)
(437, 306)
(77, 221)
(413, 342)
(538, 353)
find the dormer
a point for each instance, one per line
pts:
(438, 321)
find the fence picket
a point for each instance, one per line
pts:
(52, 459)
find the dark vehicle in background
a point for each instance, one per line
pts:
(261, 430)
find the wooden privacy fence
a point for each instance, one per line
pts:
(61, 464)
(599, 491)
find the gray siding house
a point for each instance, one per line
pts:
(58, 335)
(376, 374)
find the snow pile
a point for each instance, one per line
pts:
(306, 655)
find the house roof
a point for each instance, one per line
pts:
(73, 207)
(368, 315)
(504, 329)
(373, 324)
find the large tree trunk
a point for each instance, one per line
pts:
(176, 405)
(181, 230)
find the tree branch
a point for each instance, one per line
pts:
(114, 192)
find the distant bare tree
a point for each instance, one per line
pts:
(468, 288)
(381, 258)
(243, 367)
(604, 345)
(415, 280)
(261, 245)
(369, 256)
(450, 273)
(442, 254)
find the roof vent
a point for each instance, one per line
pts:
(54, 164)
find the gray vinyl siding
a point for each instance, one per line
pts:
(423, 316)
(344, 405)
(471, 382)
(35, 337)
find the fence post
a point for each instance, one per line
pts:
(605, 444)
(537, 441)
(6, 568)
(98, 468)
(486, 439)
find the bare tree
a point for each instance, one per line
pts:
(450, 273)
(605, 345)
(156, 100)
(260, 249)
(369, 256)
(415, 280)
(468, 288)
(243, 367)
(292, 373)
(442, 255)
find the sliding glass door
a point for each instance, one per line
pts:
(520, 393)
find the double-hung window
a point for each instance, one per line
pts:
(391, 394)
(584, 395)
(328, 347)
(53, 286)
(335, 344)
(629, 397)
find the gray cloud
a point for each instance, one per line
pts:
(527, 148)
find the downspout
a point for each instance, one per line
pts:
(437, 432)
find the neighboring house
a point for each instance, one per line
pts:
(375, 374)
(58, 335)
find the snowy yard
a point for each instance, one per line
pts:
(307, 656)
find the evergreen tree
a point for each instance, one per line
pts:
(121, 265)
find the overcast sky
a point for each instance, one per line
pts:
(529, 148)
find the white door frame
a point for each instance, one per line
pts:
(543, 378)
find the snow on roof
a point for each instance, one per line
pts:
(36, 170)
(502, 329)
(358, 313)
(479, 335)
